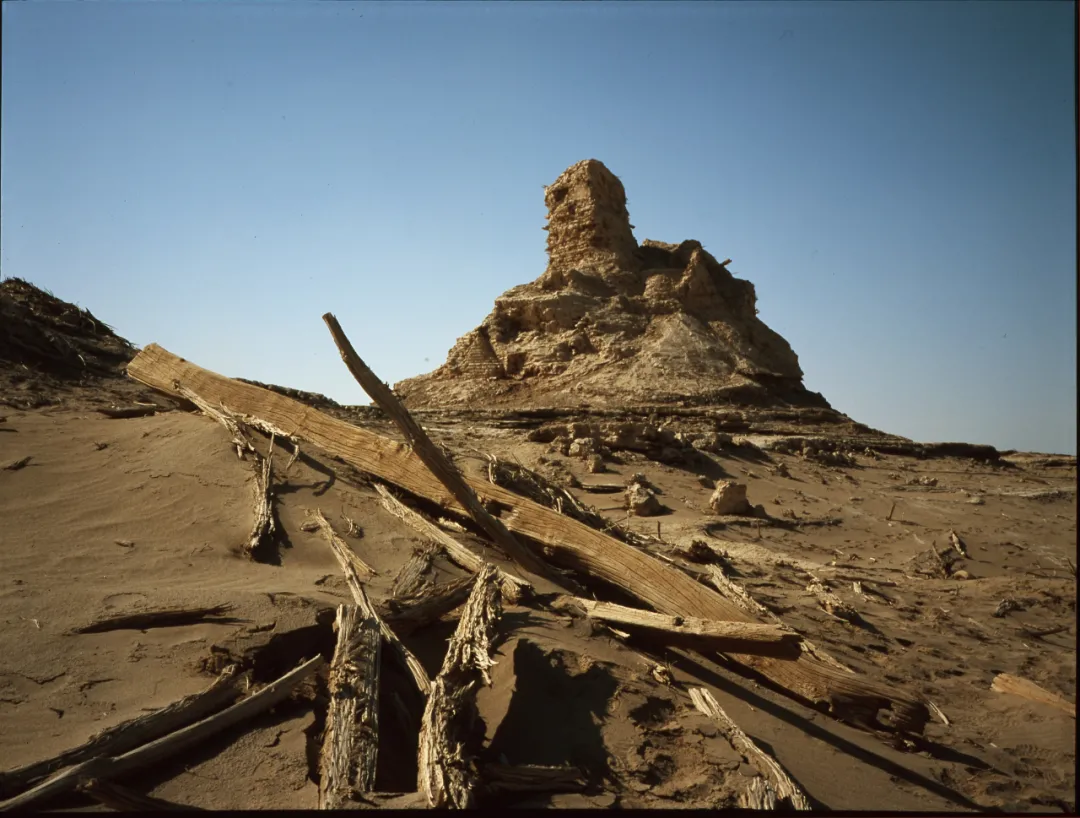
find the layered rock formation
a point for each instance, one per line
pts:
(615, 323)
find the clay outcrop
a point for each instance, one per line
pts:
(611, 322)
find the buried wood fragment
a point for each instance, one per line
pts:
(1007, 683)
(432, 457)
(104, 767)
(513, 588)
(122, 799)
(408, 613)
(165, 618)
(351, 740)
(568, 543)
(414, 575)
(774, 775)
(133, 733)
(223, 416)
(262, 529)
(723, 636)
(509, 778)
(352, 565)
(957, 543)
(832, 604)
(448, 773)
(15, 465)
(339, 546)
(118, 413)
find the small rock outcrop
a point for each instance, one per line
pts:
(615, 323)
(729, 498)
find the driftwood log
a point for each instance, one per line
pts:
(569, 543)
(769, 640)
(415, 574)
(155, 752)
(131, 734)
(513, 588)
(450, 732)
(431, 456)
(779, 788)
(351, 742)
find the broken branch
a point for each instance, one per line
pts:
(775, 775)
(431, 456)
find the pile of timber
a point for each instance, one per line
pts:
(543, 543)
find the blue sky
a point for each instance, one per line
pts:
(897, 179)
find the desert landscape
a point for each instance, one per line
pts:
(611, 554)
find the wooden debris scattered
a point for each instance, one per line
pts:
(937, 712)
(1017, 686)
(448, 773)
(122, 799)
(340, 547)
(155, 752)
(513, 588)
(351, 740)
(1005, 606)
(352, 566)
(15, 465)
(957, 543)
(566, 541)
(832, 604)
(130, 411)
(131, 734)
(431, 456)
(165, 618)
(723, 636)
(509, 778)
(775, 778)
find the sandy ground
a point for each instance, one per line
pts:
(115, 516)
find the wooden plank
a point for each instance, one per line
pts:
(432, 457)
(351, 740)
(567, 542)
(132, 733)
(449, 740)
(775, 776)
(769, 640)
(167, 746)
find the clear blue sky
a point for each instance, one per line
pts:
(897, 179)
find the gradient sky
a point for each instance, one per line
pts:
(897, 179)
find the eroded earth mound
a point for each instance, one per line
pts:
(612, 322)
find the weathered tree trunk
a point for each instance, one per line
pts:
(451, 733)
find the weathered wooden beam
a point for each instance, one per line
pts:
(351, 741)
(448, 774)
(432, 457)
(567, 542)
(132, 733)
(747, 637)
(408, 613)
(167, 746)
(1017, 686)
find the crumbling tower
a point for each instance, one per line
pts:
(588, 224)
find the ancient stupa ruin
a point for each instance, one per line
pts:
(615, 323)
